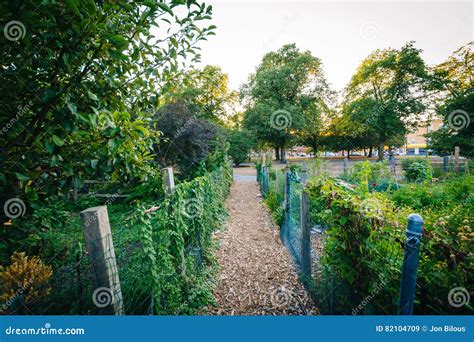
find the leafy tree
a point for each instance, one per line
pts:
(186, 139)
(287, 84)
(387, 94)
(457, 104)
(241, 143)
(317, 119)
(347, 133)
(207, 90)
(68, 67)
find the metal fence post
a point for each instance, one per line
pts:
(98, 238)
(304, 221)
(345, 163)
(264, 185)
(456, 158)
(267, 180)
(287, 201)
(410, 264)
(287, 190)
(445, 163)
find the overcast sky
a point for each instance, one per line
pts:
(340, 33)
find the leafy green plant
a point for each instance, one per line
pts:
(371, 176)
(417, 169)
(241, 142)
(365, 242)
(87, 75)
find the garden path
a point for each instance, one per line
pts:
(256, 275)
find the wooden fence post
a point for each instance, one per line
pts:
(456, 158)
(168, 180)
(410, 264)
(304, 221)
(99, 245)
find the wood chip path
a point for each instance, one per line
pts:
(256, 275)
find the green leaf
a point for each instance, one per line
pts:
(72, 107)
(150, 3)
(174, 42)
(117, 40)
(112, 143)
(21, 177)
(57, 140)
(48, 146)
(54, 161)
(165, 7)
(94, 163)
(115, 176)
(73, 6)
(92, 96)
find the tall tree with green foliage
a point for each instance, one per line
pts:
(79, 83)
(388, 94)
(207, 91)
(287, 85)
(317, 119)
(456, 106)
(241, 143)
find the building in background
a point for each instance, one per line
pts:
(416, 142)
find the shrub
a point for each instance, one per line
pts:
(24, 280)
(417, 169)
(177, 240)
(274, 197)
(166, 255)
(364, 245)
(241, 142)
(437, 196)
(186, 140)
(371, 176)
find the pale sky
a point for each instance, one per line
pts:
(340, 33)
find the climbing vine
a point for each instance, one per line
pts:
(177, 240)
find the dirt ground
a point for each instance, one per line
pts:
(256, 275)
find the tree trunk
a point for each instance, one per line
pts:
(348, 153)
(277, 153)
(371, 150)
(380, 149)
(282, 154)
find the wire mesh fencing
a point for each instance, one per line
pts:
(146, 262)
(349, 277)
(71, 288)
(291, 228)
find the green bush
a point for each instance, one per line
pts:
(437, 196)
(241, 142)
(183, 226)
(371, 176)
(364, 245)
(274, 198)
(167, 255)
(417, 169)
